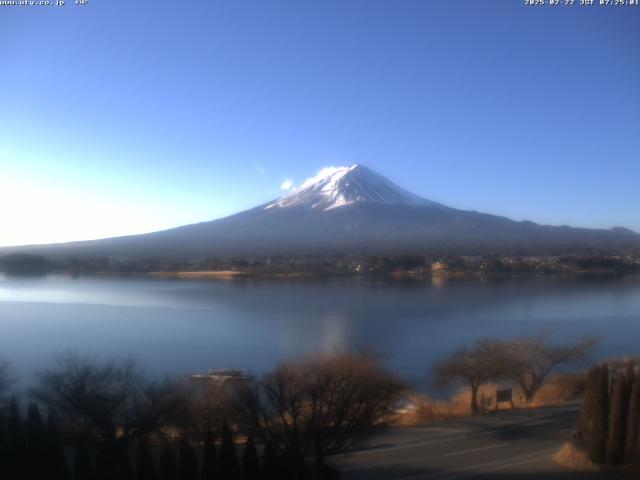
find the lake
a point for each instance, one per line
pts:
(186, 326)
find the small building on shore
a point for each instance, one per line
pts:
(223, 376)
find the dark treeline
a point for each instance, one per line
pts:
(24, 264)
(32, 448)
(106, 421)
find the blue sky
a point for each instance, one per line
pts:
(123, 117)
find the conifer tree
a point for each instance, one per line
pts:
(270, 463)
(288, 470)
(633, 425)
(209, 458)
(36, 432)
(145, 469)
(229, 469)
(586, 408)
(18, 464)
(82, 466)
(187, 461)
(56, 462)
(597, 441)
(124, 470)
(106, 465)
(617, 422)
(4, 448)
(36, 443)
(250, 461)
(167, 469)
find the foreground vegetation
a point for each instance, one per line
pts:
(610, 416)
(106, 420)
(526, 362)
(607, 436)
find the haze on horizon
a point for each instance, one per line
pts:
(122, 119)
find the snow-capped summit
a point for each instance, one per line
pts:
(335, 187)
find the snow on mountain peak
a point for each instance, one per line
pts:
(334, 187)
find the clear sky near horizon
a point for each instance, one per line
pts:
(122, 117)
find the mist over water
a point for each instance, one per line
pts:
(183, 326)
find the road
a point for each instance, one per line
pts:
(513, 444)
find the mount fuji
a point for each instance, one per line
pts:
(349, 210)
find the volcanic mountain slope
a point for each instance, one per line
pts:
(350, 210)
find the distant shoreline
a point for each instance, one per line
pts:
(397, 275)
(199, 274)
(204, 274)
(414, 266)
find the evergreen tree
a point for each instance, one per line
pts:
(187, 461)
(56, 462)
(106, 465)
(250, 461)
(597, 441)
(270, 464)
(209, 458)
(326, 472)
(124, 470)
(229, 469)
(4, 448)
(18, 464)
(631, 443)
(82, 467)
(617, 422)
(586, 408)
(287, 469)
(146, 470)
(167, 469)
(36, 443)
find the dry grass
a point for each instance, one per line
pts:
(426, 409)
(573, 457)
(558, 389)
(561, 388)
(199, 274)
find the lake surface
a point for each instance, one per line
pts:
(186, 326)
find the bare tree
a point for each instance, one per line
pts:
(484, 361)
(155, 405)
(207, 406)
(90, 394)
(319, 406)
(108, 401)
(532, 359)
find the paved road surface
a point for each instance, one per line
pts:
(516, 444)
